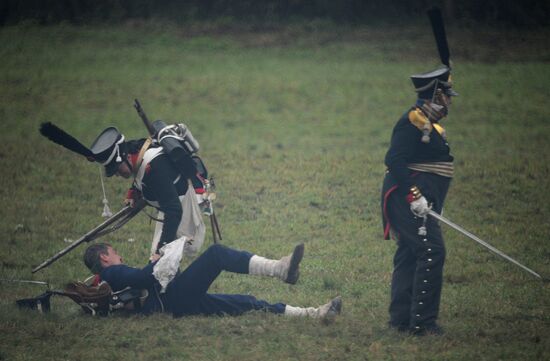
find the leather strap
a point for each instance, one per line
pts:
(142, 151)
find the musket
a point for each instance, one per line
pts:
(215, 227)
(144, 118)
(116, 221)
(484, 244)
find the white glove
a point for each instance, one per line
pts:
(167, 266)
(420, 207)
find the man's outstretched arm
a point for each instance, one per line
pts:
(122, 276)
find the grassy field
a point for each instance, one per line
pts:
(294, 124)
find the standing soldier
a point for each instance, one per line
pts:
(419, 171)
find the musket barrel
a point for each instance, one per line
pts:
(143, 117)
(59, 254)
(127, 211)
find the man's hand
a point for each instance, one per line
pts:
(419, 204)
(131, 196)
(420, 207)
(154, 257)
(129, 202)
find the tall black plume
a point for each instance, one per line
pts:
(59, 136)
(438, 28)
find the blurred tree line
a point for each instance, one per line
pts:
(505, 12)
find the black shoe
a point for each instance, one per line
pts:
(329, 311)
(294, 265)
(434, 330)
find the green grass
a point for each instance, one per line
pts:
(294, 124)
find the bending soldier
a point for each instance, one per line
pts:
(156, 179)
(420, 168)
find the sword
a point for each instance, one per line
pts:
(26, 281)
(483, 243)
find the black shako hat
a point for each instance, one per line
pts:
(108, 149)
(425, 84)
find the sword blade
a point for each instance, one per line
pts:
(26, 281)
(482, 242)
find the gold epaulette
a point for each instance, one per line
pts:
(419, 120)
(440, 130)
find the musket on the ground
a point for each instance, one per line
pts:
(113, 223)
(484, 244)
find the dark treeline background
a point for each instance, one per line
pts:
(506, 12)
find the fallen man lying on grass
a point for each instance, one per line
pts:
(187, 293)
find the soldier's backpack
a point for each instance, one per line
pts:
(97, 300)
(181, 147)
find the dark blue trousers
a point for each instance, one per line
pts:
(417, 277)
(187, 293)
